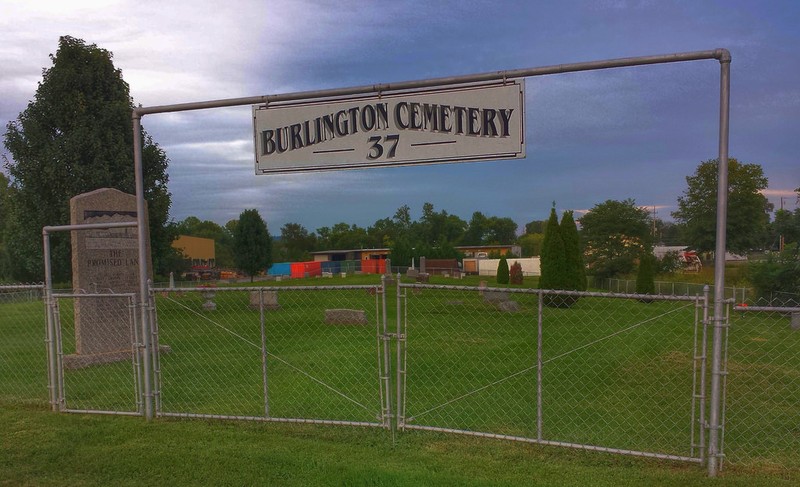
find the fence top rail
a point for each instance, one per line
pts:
(93, 295)
(267, 288)
(19, 287)
(590, 294)
(781, 309)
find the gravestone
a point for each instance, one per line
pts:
(104, 261)
(270, 300)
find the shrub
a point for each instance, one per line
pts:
(516, 273)
(645, 277)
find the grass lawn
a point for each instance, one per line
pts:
(38, 447)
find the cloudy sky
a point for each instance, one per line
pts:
(614, 134)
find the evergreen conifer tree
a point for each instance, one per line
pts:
(576, 272)
(502, 271)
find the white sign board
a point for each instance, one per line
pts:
(468, 123)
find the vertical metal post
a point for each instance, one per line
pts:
(386, 360)
(50, 333)
(401, 373)
(156, 350)
(262, 321)
(539, 420)
(719, 265)
(703, 367)
(143, 235)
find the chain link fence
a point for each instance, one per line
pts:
(303, 354)
(602, 371)
(23, 347)
(588, 370)
(762, 407)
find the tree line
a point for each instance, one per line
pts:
(76, 136)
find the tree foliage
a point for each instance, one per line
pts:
(502, 271)
(574, 267)
(777, 280)
(646, 274)
(516, 276)
(252, 244)
(296, 243)
(75, 136)
(222, 236)
(614, 234)
(553, 263)
(747, 208)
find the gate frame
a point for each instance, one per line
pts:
(721, 55)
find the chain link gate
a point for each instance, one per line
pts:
(593, 371)
(98, 353)
(311, 354)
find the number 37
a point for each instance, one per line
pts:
(376, 149)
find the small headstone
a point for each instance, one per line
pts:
(508, 306)
(346, 317)
(412, 273)
(495, 296)
(105, 261)
(422, 268)
(270, 300)
(423, 277)
(171, 280)
(796, 321)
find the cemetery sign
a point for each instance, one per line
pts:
(468, 123)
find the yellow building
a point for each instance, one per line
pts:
(198, 250)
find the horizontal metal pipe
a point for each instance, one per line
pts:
(720, 54)
(553, 292)
(267, 288)
(662, 456)
(777, 309)
(13, 287)
(97, 411)
(270, 420)
(93, 295)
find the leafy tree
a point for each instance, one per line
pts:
(777, 280)
(476, 229)
(222, 236)
(501, 231)
(401, 253)
(296, 243)
(614, 234)
(252, 243)
(747, 207)
(5, 192)
(531, 244)
(502, 271)
(575, 269)
(77, 136)
(536, 226)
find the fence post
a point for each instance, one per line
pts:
(539, 418)
(50, 333)
(401, 373)
(262, 323)
(719, 267)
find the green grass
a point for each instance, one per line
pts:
(618, 373)
(41, 448)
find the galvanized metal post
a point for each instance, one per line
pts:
(143, 236)
(719, 267)
(401, 376)
(539, 363)
(50, 333)
(262, 322)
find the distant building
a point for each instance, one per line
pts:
(199, 251)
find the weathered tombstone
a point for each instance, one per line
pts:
(107, 262)
(412, 273)
(270, 300)
(346, 317)
(422, 268)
